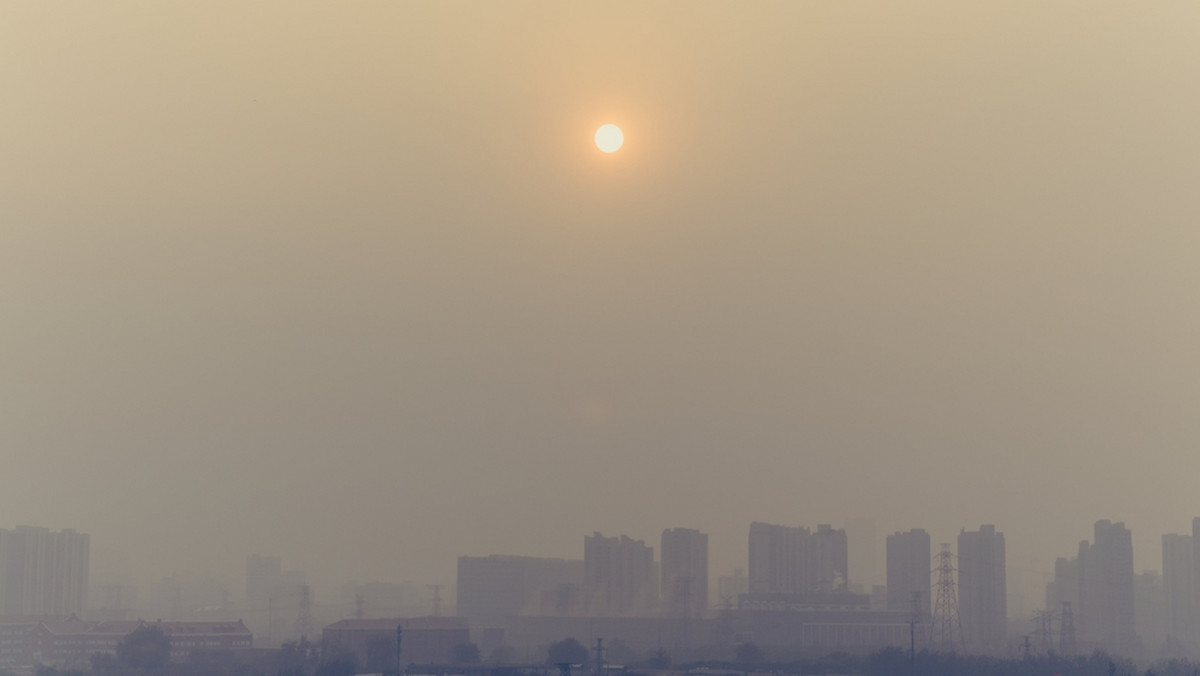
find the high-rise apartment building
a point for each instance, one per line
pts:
(982, 588)
(1194, 638)
(1064, 588)
(786, 560)
(491, 588)
(41, 572)
(776, 558)
(909, 567)
(263, 575)
(274, 599)
(684, 585)
(830, 559)
(1150, 609)
(1106, 612)
(620, 577)
(1178, 588)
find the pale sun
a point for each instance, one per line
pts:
(609, 138)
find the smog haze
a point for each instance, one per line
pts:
(349, 283)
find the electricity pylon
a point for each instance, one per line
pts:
(946, 634)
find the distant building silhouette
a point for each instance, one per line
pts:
(1179, 574)
(1194, 637)
(1064, 588)
(1106, 605)
(776, 558)
(274, 599)
(71, 642)
(1149, 610)
(42, 572)
(491, 588)
(620, 577)
(684, 584)
(263, 574)
(909, 567)
(982, 589)
(831, 559)
(786, 560)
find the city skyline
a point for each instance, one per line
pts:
(270, 567)
(1094, 599)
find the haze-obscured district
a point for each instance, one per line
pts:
(322, 320)
(795, 599)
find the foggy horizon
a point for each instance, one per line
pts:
(351, 285)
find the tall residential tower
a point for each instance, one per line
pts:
(1106, 588)
(909, 566)
(620, 578)
(786, 560)
(684, 587)
(982, 585)
(43, 573)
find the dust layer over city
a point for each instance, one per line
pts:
(727, 333)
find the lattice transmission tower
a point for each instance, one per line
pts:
(1066, 630)
(304, 624)
(1044, 621)
(946, 633)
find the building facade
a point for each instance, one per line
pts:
(43, 572)
(982, 589)
(909, 567)
(71, 642)
(1178, 565)
(1150, 610)
(263, 576)
(274, 597)
(1106, 599)
(830, 560)
(776, 558)
(620, 577)
(1194, 638)
(787, 560)
(684, 583)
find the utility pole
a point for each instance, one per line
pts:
(359, 602)
(599, 656)
(399, 640)
(913, 619)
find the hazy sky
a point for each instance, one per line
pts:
(349, 283)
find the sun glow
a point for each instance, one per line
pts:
(609, 138)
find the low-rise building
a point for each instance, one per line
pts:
(16, 637)
(72, 642)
